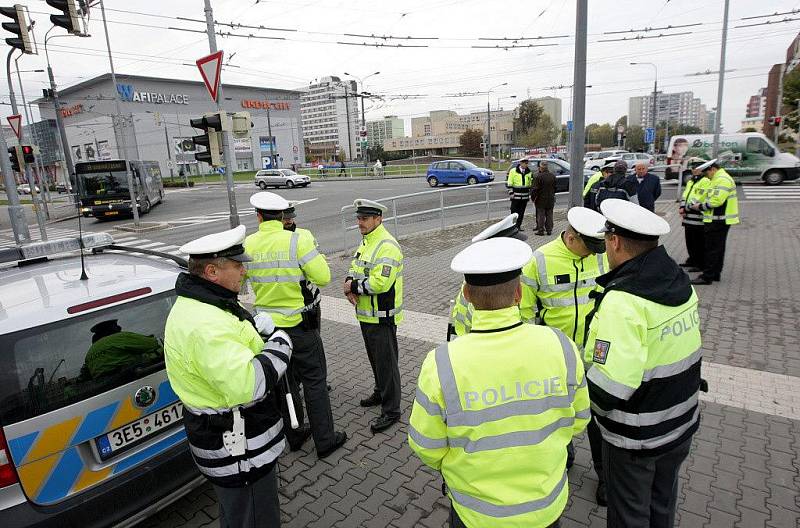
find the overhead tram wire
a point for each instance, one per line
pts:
(648, 29)
(792, 12)
(769, 22)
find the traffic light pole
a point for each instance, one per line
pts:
(37, 209)
(15, 211)
(119, 117)
(578, 106)
(227, 140)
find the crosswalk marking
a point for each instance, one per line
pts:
(786, 192)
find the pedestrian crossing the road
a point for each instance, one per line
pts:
(786, 192)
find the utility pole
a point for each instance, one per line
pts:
(349, 132)
(227, 141)
(121, 120)
(169, 150)
(37, 209)
(718, 115)
(271, 140)
(63, 133)
(655, 110)
(29, 120)
(578, 106)
(488, 132)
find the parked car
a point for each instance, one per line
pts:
(600, 158)
(457, 172)
(25, 188)
(632, 158)
(590, 156)
(91, 431)
(63, 187)
(558, 167)
(280, 178)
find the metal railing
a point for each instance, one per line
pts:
(431, 209)
(332, 172)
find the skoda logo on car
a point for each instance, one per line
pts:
(145, 396)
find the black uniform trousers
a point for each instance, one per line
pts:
(596, 448)
(251, 506)
(715, 236)
(380, 340)
(309, 368)
(518, 206)
(456, 522)
(642, 491)
(695, 245)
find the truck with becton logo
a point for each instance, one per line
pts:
(745, 156)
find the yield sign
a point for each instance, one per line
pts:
(15, 121)
(210, 67)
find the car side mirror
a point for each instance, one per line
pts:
(770, 152)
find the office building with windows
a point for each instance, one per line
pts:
(331, 119)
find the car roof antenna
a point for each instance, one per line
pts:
(84, 276)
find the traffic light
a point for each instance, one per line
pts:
(70, 17)
(212, 124)
(19, 27)
(15, 155)
(28, 154)
(241, 124)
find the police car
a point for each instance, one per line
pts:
(91, 432)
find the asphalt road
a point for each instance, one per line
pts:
(190, 213)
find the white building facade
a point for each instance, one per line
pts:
(331, 119)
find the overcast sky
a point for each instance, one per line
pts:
(143, 45)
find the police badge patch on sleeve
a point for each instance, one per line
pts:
(601, 349)
(386, 271)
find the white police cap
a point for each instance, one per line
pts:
(268, 201)
(586, 221)
(706, 165)
(507, 227)
(227, 244)
(492, 261)
(630, 220)
(368, 207)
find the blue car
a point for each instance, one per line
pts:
(457, 171)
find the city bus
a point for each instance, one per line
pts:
(103, 187)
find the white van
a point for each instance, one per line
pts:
(744, 156)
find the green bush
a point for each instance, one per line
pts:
(178, 183)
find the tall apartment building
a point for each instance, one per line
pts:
(330, 118)
(680, 107)
(757, 104)
(379, 130)
(551, 107)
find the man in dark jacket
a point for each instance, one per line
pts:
(649, 186)
(617, 185)
(543, 195)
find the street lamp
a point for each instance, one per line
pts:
(489, 122)
(655, 96)
(363, 122)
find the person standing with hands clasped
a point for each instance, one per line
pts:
(519, 189)
(374, 285)
(227, 378)
(543, 195)
(495, 409)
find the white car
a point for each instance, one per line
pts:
(632, 158)
(25, 188)
(280, 178)
(600, 158)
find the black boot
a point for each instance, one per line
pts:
(383, 422)
(372, 401)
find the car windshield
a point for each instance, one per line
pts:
(468, 164)
(58, 364)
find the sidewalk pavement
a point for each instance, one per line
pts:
(744, 467)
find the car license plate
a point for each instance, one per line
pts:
(111, 213)
(129, 435)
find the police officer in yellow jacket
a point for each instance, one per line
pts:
(495, 409)
(557, 285)
(720, 211)
(601, 174)
(644, 376)
(461, 313)
(519, 182)
(374, 285)
(283, 261)
(692, 219)
(314, 293)
(227, 376)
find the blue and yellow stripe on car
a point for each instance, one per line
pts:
(50, 462)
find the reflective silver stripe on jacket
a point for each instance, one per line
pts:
(507, 510)
(600, 265)
(380, 313)
(426, 441)
(308, 257)
(282, 311)
(724, 217)
(276, 278)
(665, 371)
(649, 418)
(430, 407)
(649, 443)
(569, 286)
(257, 442)
(387, 260)
(273, 264)
(513, 439)
(455, 415)
(541, 265)
(244, 466)
(614, 388)
(550, 302)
